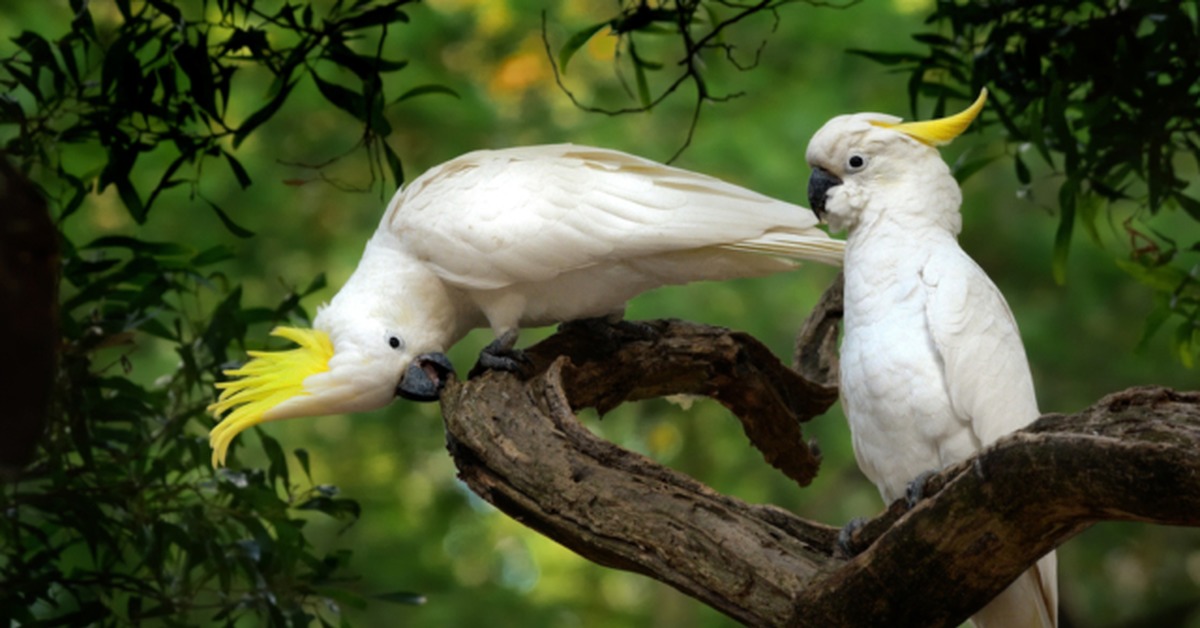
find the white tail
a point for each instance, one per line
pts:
(1030, 601)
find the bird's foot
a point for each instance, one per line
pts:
(501, 354)
(915, 491)
(845, 539)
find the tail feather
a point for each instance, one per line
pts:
(816, 247)
(1030, 601)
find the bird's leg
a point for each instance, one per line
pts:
(916, 489)
(501, 354)
(845, 540)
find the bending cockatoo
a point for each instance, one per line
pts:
(509, 238)
(932, 366)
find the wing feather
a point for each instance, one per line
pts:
(490, 219)
(987, 373)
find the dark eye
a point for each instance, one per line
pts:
(856, 161)
(394, 342)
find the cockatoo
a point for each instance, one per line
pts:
(932, 365)
(509, 238)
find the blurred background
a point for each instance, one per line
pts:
(420, 530)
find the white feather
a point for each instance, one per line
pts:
(932, 365)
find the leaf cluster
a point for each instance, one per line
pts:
(156, 86)
(119, 519)
(696, 36)
(1107, 94)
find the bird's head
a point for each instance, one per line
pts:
(350, 361)
(858, 157)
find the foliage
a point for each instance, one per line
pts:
(697, 36)
(120, 519)
(1107, 93)
(420, 529)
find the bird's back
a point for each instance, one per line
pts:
(492, 219)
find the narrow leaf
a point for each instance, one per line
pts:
(262, 115)
(239, 172)
(232, 226)
(1066, 224)
(393, 161)
(349, 101)
(575, 43)
(421, 90)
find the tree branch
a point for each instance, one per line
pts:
(1133, 456)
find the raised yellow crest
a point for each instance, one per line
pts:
(943, 130)
(267, 380)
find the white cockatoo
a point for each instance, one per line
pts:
(932, 365)
(509, 238)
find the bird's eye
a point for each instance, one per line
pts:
(856, 162)
(395, 342)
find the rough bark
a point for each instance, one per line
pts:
(1134, 455)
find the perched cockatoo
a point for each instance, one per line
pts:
(932, 365)
(508, 238)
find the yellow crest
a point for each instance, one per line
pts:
(942, 130)
(267, 380)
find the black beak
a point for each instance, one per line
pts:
(818, 187)
(425, 377)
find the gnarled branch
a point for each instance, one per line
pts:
(1134, 455)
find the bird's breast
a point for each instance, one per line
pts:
(893, 383)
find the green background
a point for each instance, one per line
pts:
(423, 531)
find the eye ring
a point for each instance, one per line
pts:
(395, 342)
(856, 162)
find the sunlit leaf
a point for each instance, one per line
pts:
(575, 42)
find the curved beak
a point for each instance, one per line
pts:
(425, 377)
(818, 187)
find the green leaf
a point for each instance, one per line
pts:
(345, 99)
(401, 597)
(1066, 223)
(302, 457)
(393, 161)
(41, 55)
(1184, 343)
(193, 59)
(422, 90)
(232, 226)
(887, 58)
(1154, 322)
(157, 249)
(1189, 205)
(575, 42)
(1023, 175)
(210, 256)
(317, 283)
(336, 508)
(277, 468)
(964, 168)
(132, 200)
(266, 112)
(243, 178)
(377, 16)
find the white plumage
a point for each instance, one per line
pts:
(932, 365)
(510, 238)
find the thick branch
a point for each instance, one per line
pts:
(1132, 456)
